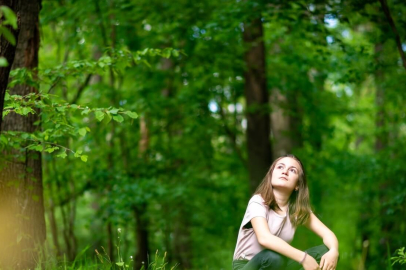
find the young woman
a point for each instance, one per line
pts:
(279, 205)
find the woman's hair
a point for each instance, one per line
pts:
(299, 204)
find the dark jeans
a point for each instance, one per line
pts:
(270, 260)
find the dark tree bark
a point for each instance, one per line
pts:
(182, 245)
(318, 124)
(21, 191)
(141, 231)
(256, 95)
(392, 24)
(139, 210)
(7, 51)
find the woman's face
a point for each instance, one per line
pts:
(286, 174)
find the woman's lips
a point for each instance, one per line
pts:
(283, 177)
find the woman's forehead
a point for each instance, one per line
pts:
(288, 161)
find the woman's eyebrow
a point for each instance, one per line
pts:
(284, 165)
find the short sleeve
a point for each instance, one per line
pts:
(255, 208)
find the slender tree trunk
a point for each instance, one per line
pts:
(110, 240)
(141, 231)
(318, 120)
(54, 227)
(256, 95)
(21, 190)
(181, 239)
(178, 231)
(51, 212)
(139, 210)
(286, 122)
(380, 143)
(386, 10)
(7, 51)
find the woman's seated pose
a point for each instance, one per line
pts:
(279, 205)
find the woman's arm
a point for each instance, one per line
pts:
(329, 260)
(272, 242)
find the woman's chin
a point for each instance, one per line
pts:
(282, 187)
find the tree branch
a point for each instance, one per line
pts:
(81, 88)
(386, 10)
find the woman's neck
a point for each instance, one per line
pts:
(282, 199)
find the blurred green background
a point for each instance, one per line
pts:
(177, 179)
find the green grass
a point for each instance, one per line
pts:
(100, 261)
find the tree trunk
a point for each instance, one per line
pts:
(50, 208)
(256, 95)
(7, 51)
(21, 191)
(182, 245)
(286, 123)
(139, 210)
(141, 231)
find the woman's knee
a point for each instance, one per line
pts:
(271, 258)
(323, 249)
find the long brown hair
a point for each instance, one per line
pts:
(299, 203)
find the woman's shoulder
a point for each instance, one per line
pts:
(257, 198)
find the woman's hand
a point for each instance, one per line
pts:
(329, 260)
(310, 263)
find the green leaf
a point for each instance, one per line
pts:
(60, 108)
(146, 63)
(8, 35)
(118, 118)
(99, 115)
(11, 18)
(120, 263)
(113, 111)
(51, 149)
(78, 153)
(3, 139)
(38, 147)
(83, 158)
(85, 111)
(62, 155)
(175, 53)
(108, 117)
(133, 115)
(26, 110)
(166, 53)
(3, 62)
(82, 131)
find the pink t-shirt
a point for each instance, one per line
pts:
(247, 243)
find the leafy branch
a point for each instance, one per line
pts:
(55, 123)
(401, 258)
(54, 115)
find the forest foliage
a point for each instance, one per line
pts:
(143, 124)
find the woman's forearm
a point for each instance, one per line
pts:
(331, 241)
